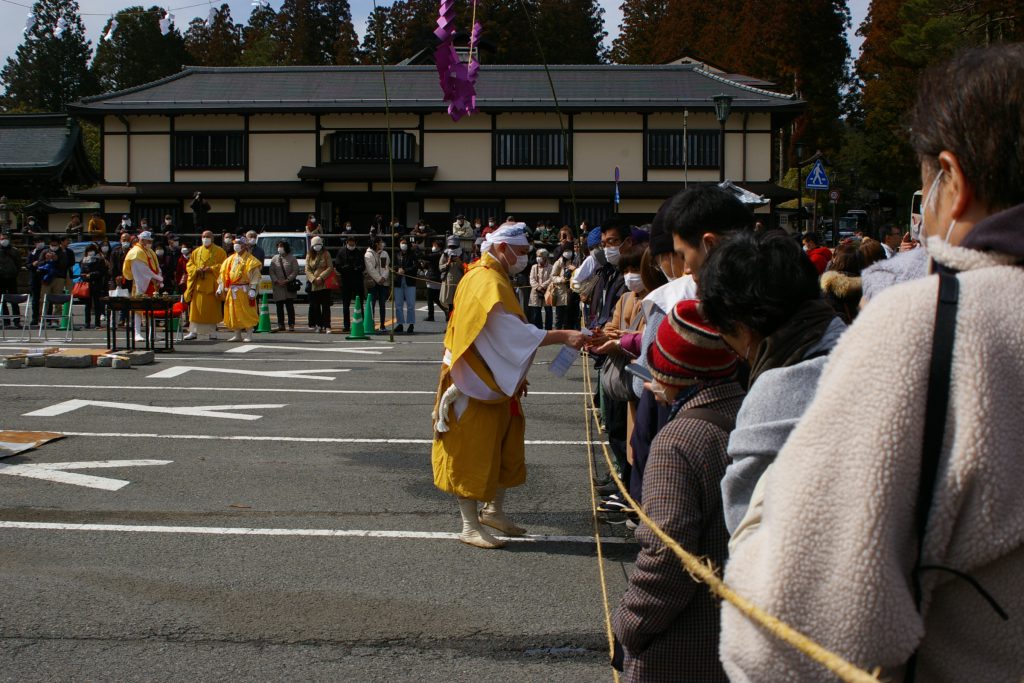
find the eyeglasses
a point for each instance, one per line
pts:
(611, 242)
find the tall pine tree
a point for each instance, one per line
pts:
(137, 52)
(214, 43)
(641, 21)
(51, 67)
(315, 32)
(261, 44)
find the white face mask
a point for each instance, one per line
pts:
(126, 245)
(159, 252)
(476, 225)
(928, 202)
(612, 255)
(634, 282)
(317, 247)
(252, 241)
(522, 261)
(280, 250)
(207, 241)
(350, 247)
(104, 249)
(567, 255)
(541, 260)
(186, 252)
(5, 243)
(403, 247)
(228, 242)
(238, 248)
(348, 228)
(167, 221)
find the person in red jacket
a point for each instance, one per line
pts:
(819, 255)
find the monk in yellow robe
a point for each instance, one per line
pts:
(142, 267)
(479, 429)
(238, 283)
(204, 308)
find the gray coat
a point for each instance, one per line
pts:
(771, 410)
(283, 268)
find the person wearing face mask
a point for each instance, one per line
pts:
(405, 288)
(10, 266)
(97, 228)
(350, 266)
(204, 310)
(618, 239)
(284, 272)
(238, 283)
(117, 279)
(433, 268)
(561, 295)
(452, 269)
(666, 622)
(228, 242)
(926, 498)
(540, 281)
(181, 267)
(252, 238)
(168, 262)
(35, 258)
(168, 224)
(318, 267)
(465, 231)
(820, 255)
(95, 271)
(142, 266)
(378, 272)
(478, 448)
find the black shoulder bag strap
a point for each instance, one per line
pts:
(940, 372)
(724, 423)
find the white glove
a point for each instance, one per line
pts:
(252, 293)
(220, 289)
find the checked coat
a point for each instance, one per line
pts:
(667, 623)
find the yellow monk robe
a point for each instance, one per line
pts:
(201, 290)
(140, 265)
(483, 448)
(240, 275)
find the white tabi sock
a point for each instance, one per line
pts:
(472, 533)
(493, 515)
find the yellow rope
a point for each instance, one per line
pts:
(702, 571)
(597, 537)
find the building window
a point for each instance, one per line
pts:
(665, 149)
(529, 149)
(356, 147)
(209, 150)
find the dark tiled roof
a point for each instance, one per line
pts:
(36, 142)
(415, 88)
(210, 189)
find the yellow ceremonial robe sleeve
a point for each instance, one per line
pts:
(237, 276)
(483, 450)
(201, 290)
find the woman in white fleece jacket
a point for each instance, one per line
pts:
(834, 553)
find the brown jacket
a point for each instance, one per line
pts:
(668, 623)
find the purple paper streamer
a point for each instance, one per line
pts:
(458, 80)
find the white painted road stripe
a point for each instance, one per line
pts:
(366, 350)
(288, 439)
(252, 531)
(194, 411)
(55, 471)
(178, 370)
(259, 390)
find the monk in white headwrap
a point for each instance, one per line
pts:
(479, 428)
(142, 267)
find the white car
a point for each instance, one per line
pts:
(267, 241)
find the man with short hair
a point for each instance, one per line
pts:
(891, 240)
(252, 239)
(351, 265)
(479, 428)
(819, 255)
(203, 269)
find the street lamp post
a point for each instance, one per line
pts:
(723, 105)
(799, 187)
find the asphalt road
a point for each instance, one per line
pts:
(254, 551)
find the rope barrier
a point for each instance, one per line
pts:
(703, 572)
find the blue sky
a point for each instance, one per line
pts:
(96, 12)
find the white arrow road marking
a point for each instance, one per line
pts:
(195, 411)
(56, 471)
(312, 373)
(368, 350)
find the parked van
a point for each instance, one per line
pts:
(267, 241)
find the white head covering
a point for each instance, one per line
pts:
(508, 233)
(146, 235)
(316, 240)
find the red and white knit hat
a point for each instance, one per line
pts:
(688, 350)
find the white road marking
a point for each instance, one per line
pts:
(368, 350)
(288, 439)
(57, 471)
(257, 531)
(194, 411)
(179, 370)
(279, 390)
(431, 361)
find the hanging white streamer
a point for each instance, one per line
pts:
(62, 26)
(30, 21)
(110, 29)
